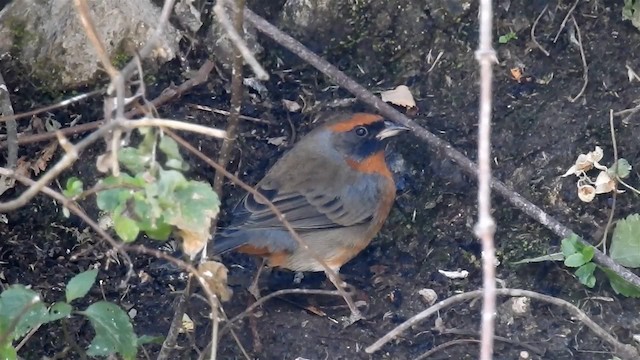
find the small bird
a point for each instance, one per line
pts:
(334, 188)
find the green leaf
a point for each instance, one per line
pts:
(109, 200)
(176, 164)
(570, 245)
(159, 231)
(549, 257)
(80, 284)
(587, 253)
(126, 228)
(73, 187)
(146, 339)
(503, 39)
(624, 169)
(575, 260)
(59, 311)
(8, 352)
(18, 301)
(620, 285)
(625, 243)
(114, 332)
(196, 204)
(133, 160)
(585, 274)
(170, 148)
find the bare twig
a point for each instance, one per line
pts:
(630, 111)
(446, 345)
(625, 350)
(166, 95)
(57, 105)
(564, 21)
(485, 228)
(585, 67)
(66, 161)
(435, 143)
(6, 110)
(436, 61)
(237, 40)
(266, 298)
(236, 100)
(355, 313)
(533, 349)
(90, 30)
(175, 124)
(226, 113)
(169, 343)
(614, 194)
(153, 40)
(533, 31)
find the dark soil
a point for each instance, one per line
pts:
(537, 134)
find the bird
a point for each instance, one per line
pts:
(334, 188)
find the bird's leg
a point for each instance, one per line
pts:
(254, 288)
(349, 291)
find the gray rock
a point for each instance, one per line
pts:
(47, 37)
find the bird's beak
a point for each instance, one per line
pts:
(390, 129)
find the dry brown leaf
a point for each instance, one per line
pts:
(586, 192)
(586, 162)
(604, 183)
(291, 106)
(45, 156)
(215, 275)
(400, 96)
(193, 241)
(23, 167)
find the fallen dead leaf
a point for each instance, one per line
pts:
(400, 96)
(215, 275)
(43, 159)
(291, 106)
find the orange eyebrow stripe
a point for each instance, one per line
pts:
(374, 164)
(355, 120)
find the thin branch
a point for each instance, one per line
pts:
(564, 21)
(236, 101)
(82, 8)
(67, 160)
(628, 351)
(226, 113)
(6, 110)
(169, 343)
(152, 42)
(533, 31)
(435, 143)
(446, 345)
(57, 105)
(585, 67)
(175, 124)
(485, 228)
(615, 184)
(237, 40)
(274, 294)
(167, 94)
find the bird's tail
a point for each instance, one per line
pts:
(225, 242)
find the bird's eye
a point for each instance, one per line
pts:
(361, 131)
